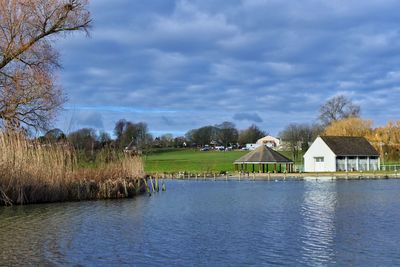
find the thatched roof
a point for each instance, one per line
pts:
(349, 146)
(263, 154)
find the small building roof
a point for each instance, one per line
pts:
(267, 138)
(349, 146)
(263, 154)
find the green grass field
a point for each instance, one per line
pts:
(192, 161)
(196, 161)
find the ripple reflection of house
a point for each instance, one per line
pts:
(269, 141)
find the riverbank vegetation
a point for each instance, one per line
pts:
(33, 172)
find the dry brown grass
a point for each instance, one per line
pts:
(31, 173)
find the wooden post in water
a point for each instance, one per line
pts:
(215, 176)
(152, 184)
(147, 187)
(138, 186)
(163, 187)
(125, 189)
(157, 188)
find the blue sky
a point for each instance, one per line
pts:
(179, 65)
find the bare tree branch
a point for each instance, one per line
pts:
(29, 95)
(336, 108)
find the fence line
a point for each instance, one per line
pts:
(390, 167)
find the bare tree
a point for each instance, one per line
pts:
(298, 136)
(128, 132)
(29, 96)
(336, 108)
(251, 135)
(227, 133)
(291, 135)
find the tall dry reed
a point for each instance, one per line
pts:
(31, 172)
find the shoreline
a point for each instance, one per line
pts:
(82, 190)
(278, 176)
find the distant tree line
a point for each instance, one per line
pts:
(225, 134)
(338, 116)
(296, 137)
(126, 133)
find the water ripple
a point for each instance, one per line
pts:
(243, 223)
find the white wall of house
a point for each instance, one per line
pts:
(319, 158)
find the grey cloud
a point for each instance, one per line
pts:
(215, 59)
(168, 121)
(247, 116)
(89, 119)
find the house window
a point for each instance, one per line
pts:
(319, 159)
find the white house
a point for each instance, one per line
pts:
(252, 146)
(341, 153)
(269, 141)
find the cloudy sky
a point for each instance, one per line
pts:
(183, 64)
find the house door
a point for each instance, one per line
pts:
(319, 164)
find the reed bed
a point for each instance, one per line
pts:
(31, 172)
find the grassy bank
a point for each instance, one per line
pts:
(193, 161)
(31, 172)
(199, 162)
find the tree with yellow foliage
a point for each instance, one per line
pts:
(352, 126)
(386, 139)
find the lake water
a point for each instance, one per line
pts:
(207, 223)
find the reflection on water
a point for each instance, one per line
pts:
(214, 223)
(318, 211)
